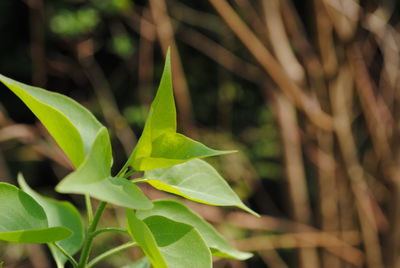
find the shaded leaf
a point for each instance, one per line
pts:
(198, 181)
(141, 233)
(168, 243)
(142, 263)
(159, 145)
(23, 220)
(59, 213)
(73, 127)
(178, 212)
(93, 178)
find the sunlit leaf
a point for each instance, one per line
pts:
(85, 141)
(59, 213)
(72, 126)
(93, 178)
(178, 212)
(198, 181)
(160, 145)
(23, 220)
(168, 243)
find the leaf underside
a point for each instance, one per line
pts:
(167, 243)
(93, 178)
(198, 181)
(23, 220)
(176, 211)
(59, 213)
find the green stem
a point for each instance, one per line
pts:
(139, 180)
(89, 235)
(89, 208)
(66, 254)
(91, 231)
(111, 252)
(123, 170)
(127, 174)
(119, 230)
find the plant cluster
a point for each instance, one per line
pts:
(169, 233)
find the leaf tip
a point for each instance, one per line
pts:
(244, 256)
(249, 210)
(230, 151)
(168, 54)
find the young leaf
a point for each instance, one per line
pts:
(169, 244)
(178, 212)
(72, 126)
(59, 213)
(23, 220)
(160, 146)
(93, 178)
(198, 181)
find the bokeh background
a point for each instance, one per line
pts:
(307, 91)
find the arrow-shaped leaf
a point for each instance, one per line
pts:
(23, 220)
(72, 126)
(160, 145)
(76, 131)
(178, 212)
(198, 181)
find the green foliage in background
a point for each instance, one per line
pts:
(71, 23)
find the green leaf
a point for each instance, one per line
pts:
(59, 213)
(73, 127)
(23, 220)
(159, 145)
(198, 181)
(93, 178)
(86, 143)
(178, 212)
(168, 243)
(142, 234)
(142, 263)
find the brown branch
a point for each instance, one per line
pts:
(271, 66)
(306, 241)
(37, 42)
(221, 55)
(272, 258)
(379, 120)
(165, 34)
(146, 61)
(328, 194)
(105, 96)
(344, 16)
(355, 173)
(294, 166)
(280, 41)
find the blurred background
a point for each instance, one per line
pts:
(307, 91)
